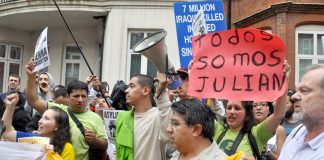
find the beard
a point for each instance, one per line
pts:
(310, 115)
(290, 112)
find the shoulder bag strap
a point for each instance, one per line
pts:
(76, 121)
(254, 146)
(219, 139)
(236, 143)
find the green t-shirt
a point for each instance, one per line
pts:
(89, 120)
(260, 133)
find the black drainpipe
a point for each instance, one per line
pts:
(103, 18)
(229, 14)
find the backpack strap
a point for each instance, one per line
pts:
(254, 145)
(76, 121)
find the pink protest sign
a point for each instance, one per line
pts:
(240, 64)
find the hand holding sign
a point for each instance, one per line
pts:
(240, 64)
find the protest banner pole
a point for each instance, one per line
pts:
(71, 33)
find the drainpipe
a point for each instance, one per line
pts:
(229, 14)
(103, 18)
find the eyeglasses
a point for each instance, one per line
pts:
(260, 104)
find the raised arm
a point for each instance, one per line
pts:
(11, 101)
(32, 98)
(164, 106)
(274, 119)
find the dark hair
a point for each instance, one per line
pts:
(195, 112)
(249, 120)
(62, 135)
(145, 80)
(14, 75)
(76, 84)
(59, 90)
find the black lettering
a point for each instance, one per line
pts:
(215, 83)
(221, 64)
(219, 39)
(268, 36)
(203, 84)
(234, 84)
(248, 82)
(246, 38)
(277, 81)
(274, 57)
(254, 59)
(199, 39)
(235, 37)
(242, 56)
(262, 82)
(204, 62)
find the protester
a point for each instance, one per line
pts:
(192, 130)
(59, 96)
(181, 92)
(45, 83)
(289, 122)
(306, 140)
(141, 132)
(13, 85)
(239, 119)
(262, 110)
(20, 117)
(54, 124)
(94, 135)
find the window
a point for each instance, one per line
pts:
(10, 63)
(72, 64)
(139, 64)
(309, 48)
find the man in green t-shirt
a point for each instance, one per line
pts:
(94, 134)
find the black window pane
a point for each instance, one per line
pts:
(135, 65)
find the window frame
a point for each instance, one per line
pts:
(144, 60)
(314, 30)
(7, 61)
(66, 61)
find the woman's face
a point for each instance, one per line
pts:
(47, 124)
(235, 114)
(260, 111)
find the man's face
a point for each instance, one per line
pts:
(134, 92)
(309, 98)
(183, 90)
(78, 100)
(179, 132)
(43, 81)
(13, 83)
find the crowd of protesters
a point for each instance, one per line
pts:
(161, 124)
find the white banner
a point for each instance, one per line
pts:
(41, 57)
(19, 151)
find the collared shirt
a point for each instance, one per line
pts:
(210, 153)
(296, 148)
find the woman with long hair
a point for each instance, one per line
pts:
(262, 110)
(239, 132)
(54, 124)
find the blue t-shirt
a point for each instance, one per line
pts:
(25, 134)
